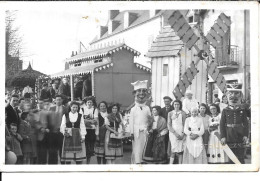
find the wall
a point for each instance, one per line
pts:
(164, 85)
(114, 83)
(138, 38)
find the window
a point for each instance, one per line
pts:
(97, 60)
(165, 69)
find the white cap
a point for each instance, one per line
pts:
(188, 92)
(140, 84)
(234, 87)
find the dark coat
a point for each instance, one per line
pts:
(55, 118)
(12, 116)
(87, 88)
(164, 113)
(64, 90)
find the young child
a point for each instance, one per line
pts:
(15, 143)
(194, 153)
(215, 153)
(27, 145)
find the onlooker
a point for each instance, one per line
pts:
(189, 102)
(27, 91)
(15, 143)
(53, 91)
(45, 94)
(13, 112)
(64, 88)
(216, 99)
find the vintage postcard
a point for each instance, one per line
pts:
(129, 86)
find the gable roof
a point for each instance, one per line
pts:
(167, 43)
(142, 16)
(101, 52)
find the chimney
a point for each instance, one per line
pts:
(112, 25)
(72, 54)
(112, 14)
(101, 31)
(129, 18)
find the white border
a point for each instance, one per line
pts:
(74, 6)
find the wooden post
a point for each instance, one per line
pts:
(72, 87)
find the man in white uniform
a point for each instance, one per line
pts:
(140, 116)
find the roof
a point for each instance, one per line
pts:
(142, 16)
(167, 43)
(83, 70)
(101, 52)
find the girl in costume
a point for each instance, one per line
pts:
(176, 120)
(154, 150)
(100, 139)
(215, 153)
(113, 145)
(74, 131)
(194, 152)
(90, 115)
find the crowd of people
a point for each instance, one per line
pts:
(182, 132)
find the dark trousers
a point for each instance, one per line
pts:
(239, 152)
(55, 141)
(42, 148)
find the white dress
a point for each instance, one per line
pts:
(176, 123)
(138, 122)
(215, 152)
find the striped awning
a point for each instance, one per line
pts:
(87, 69)
(101, 52)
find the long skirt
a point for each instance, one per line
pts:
(154, 149)
(100, 144)
(113, 147)
(138, 148)
(189, 159)
(73, 148)
(90, 139)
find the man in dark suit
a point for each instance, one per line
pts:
(12, 111)
(55, 136)
(165, 110)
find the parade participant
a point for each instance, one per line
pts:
(41, 124)
(100, 138)
(140, 116)
(64, 88)
(224, 103)
(12, 111)
(27, 91)
(74, 131)
(194, 152)
(154, 150)
(189, 102)
(176, 120)
(55, 137)
(28, 144)
(113, 146)
(165, 110)
(203, 114)
(215, 153)
(233, 123)
(15, 145)
(45, 94)
(53, 91)
(90, 115)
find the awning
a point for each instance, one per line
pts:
(101, 52)
(142, 67)
(88, 69)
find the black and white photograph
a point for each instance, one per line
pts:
(130, 86)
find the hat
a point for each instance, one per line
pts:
(140, 84)
(167, 97)
(188, 92)
(234, 87)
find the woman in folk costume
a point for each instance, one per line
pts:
(194, 152)
(176, 120)
(100, 139)
(113, 145)
(140, 117)
(203, 108)
(154, 150)
(215, 153)
(90, 115)
(74, 131)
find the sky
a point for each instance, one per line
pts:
(50, 36)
